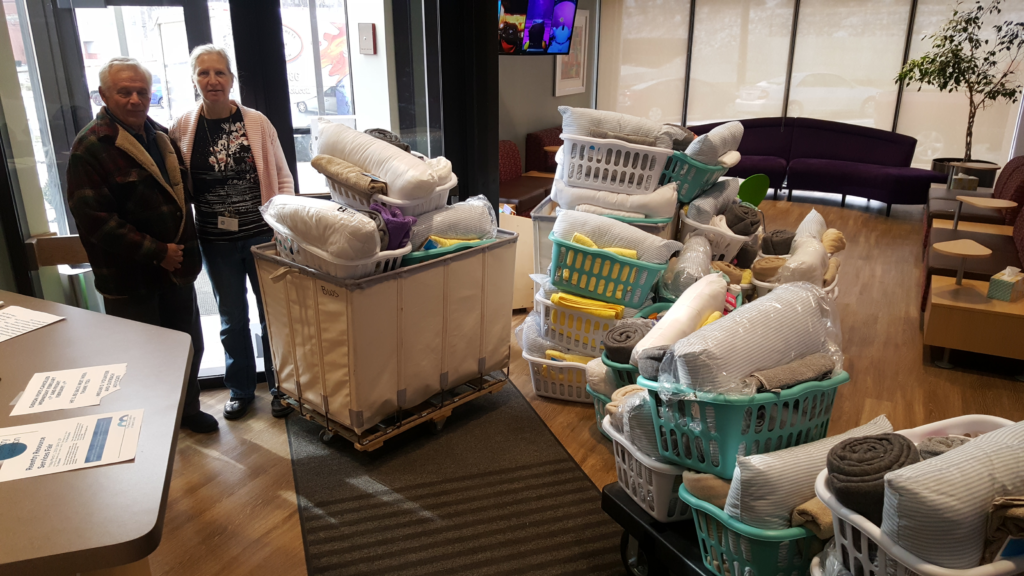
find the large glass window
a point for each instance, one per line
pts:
(939, 120)
(642, 58)
(738, 69)
(847, 54)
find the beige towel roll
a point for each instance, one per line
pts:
(816, 517)
(735, 274)
(707, 487)
(348, 175)
(830, 274)
(767, 268)
(833, 240)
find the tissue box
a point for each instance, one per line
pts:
(1007, 286)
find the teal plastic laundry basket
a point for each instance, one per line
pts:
(421, 256)
(602, 275)
(705, 432)
(693, 177)
(628, 220)
(600, 401)
(731, 548)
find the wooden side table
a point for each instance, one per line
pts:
(973, 166)
(962, 249)
(992, 203)
(962, 317)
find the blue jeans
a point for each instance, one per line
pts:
(228, 264)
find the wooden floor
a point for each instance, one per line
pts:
(232, 507)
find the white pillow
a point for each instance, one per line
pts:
(608, 233)
(323, 227)
(938, 509)
(579, 122)
(767, 487)
(728, 136)
(408, 177)
(714, 201)
(807, 263)
(708, 148)
(660, 203)
(812, 225)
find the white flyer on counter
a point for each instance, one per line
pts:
(15, 321)
(62, 445)
(69, 388)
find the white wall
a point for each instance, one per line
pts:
(373, 77)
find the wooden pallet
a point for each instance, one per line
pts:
(435, 410)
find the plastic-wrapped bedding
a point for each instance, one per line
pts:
(812, 225)
(580, 121)
(408, 177)
(638, 425)
(470, 220)
(704, 298)
(323, 227)
(661, 203)
(808, 262)
(792, 321)
(609, 233)
(529, 336)
(692, 264)
(599, 379)
(714, 201)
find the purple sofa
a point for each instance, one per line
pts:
(833, 157)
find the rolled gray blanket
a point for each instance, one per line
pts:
(857, 469)
(649, 361)
(939, 445)
(813, 368)
(382, 228)
(623, 337)
(777, 242)
(746, 255)
(389, 137)
(742, 220)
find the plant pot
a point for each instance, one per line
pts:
(986, 178)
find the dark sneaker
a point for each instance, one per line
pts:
(200, 423)
(279, 409)
(235, 409)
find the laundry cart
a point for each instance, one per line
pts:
(371, 358)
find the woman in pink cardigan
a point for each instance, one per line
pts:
(236, 165)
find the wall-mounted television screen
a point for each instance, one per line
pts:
(535, 26)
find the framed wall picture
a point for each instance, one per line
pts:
(571, 68)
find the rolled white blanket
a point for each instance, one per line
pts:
(608, 233)
(580, 121)
(590, 209)
(599, 379)
(470, 220)
(714, 201)
(661, 203)
(812, 225)
(325, 228)
(703, 298)
(408, 177)
(531, 340)
(792, 321)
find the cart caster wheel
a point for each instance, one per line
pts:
(438, 425)
(634, 557)
(326, 436)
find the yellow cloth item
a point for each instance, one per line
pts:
(816, 517)
(563, 357)
(589, 306)
(767, 268)
(582, 240)
(833, 240)
(830, 274)
(707, 487)
(714, 316)
(446, 242)
(735, 274)
(748, 275)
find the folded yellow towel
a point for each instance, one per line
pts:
(830, 274)
(563, 357)
(748, 275)
(588, 306)
(833, 240)
(446, 242)
(714, 316)
(582, 240)
(816, 517)
(735, 274)
(707, 487)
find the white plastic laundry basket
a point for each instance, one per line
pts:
(653, 485)
(544, 217)
(418, 207)
(578, 331)
(385, 261)
(559, 380)
(724, 245)
(611, 165)
(764, 288)
(860, 542)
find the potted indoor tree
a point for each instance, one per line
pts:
(963, 59)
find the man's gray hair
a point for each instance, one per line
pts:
(122, 61)
(210, 49)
